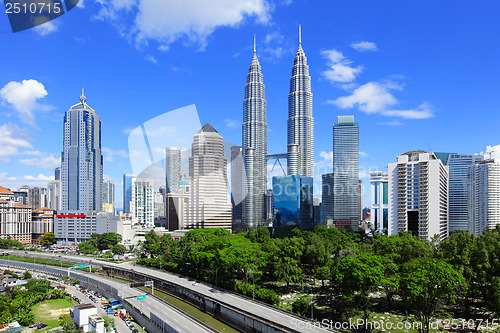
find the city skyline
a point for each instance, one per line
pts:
(355, 61)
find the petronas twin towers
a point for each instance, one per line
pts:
(300, 155)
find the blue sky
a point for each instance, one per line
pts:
(415, 74)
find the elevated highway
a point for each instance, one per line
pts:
(241, 312)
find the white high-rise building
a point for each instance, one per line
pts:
(55, 195)
(142, 203)
(37, 197)
(208, 205)
(484, 196)
(254, 148)
(418, 197)
(379, 183)
(108, 192)
(81, 159)
(300, 159)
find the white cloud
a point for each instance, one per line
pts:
(423, 111)
(4, 176)
(110, 153)
(363, 154)
(12, 138)
(151, 58)
(340, 69)
(392, 123)
(40, 177)
(327, 156)
(49, 161)
(33, 153)
(46, 28)
(372, 97)
(190, 21)
(364, 46)
(232, 123)
(376, 97)
(23, 97)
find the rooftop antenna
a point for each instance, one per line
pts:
(300, 34)
(83, 99)
(254, 49)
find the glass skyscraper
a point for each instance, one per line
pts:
(81, 159)
(172, 169)
(300, 123)
(254, 147)
(458, 167)
(346, 202)
(127, 192)
(293, 201)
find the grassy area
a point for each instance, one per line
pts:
(37, 261)
(48, 312)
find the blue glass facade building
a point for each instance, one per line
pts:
(293, 201)
(127, 192)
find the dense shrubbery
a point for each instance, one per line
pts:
(357, 273)
(16, 304)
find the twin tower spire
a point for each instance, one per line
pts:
(300, 160)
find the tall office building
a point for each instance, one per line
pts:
(293, 202)
(379, 183)
(127, 192)
(55, 195)
(458, 195)
(142, 203)
(254, 146)
(81, 159)
(57, 173)
(300, 159)
(108, 192)
(418, 200)
(172, 169)
(484, 196)
(327, 199)
(237, 190)
(208, 205)
(37, 197)
(346, 201)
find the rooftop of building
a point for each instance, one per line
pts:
(5, 190)
(207, 128)
(19, 205)
(41, 209)
(85, 306)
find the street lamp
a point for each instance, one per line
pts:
(253, 287)
(310, 291)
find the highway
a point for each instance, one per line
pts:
(258, 309)
(173, 317)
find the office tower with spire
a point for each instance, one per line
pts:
(208, 205)
(254, 145)
(300, 154)
(81, 159)
(172, 169)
